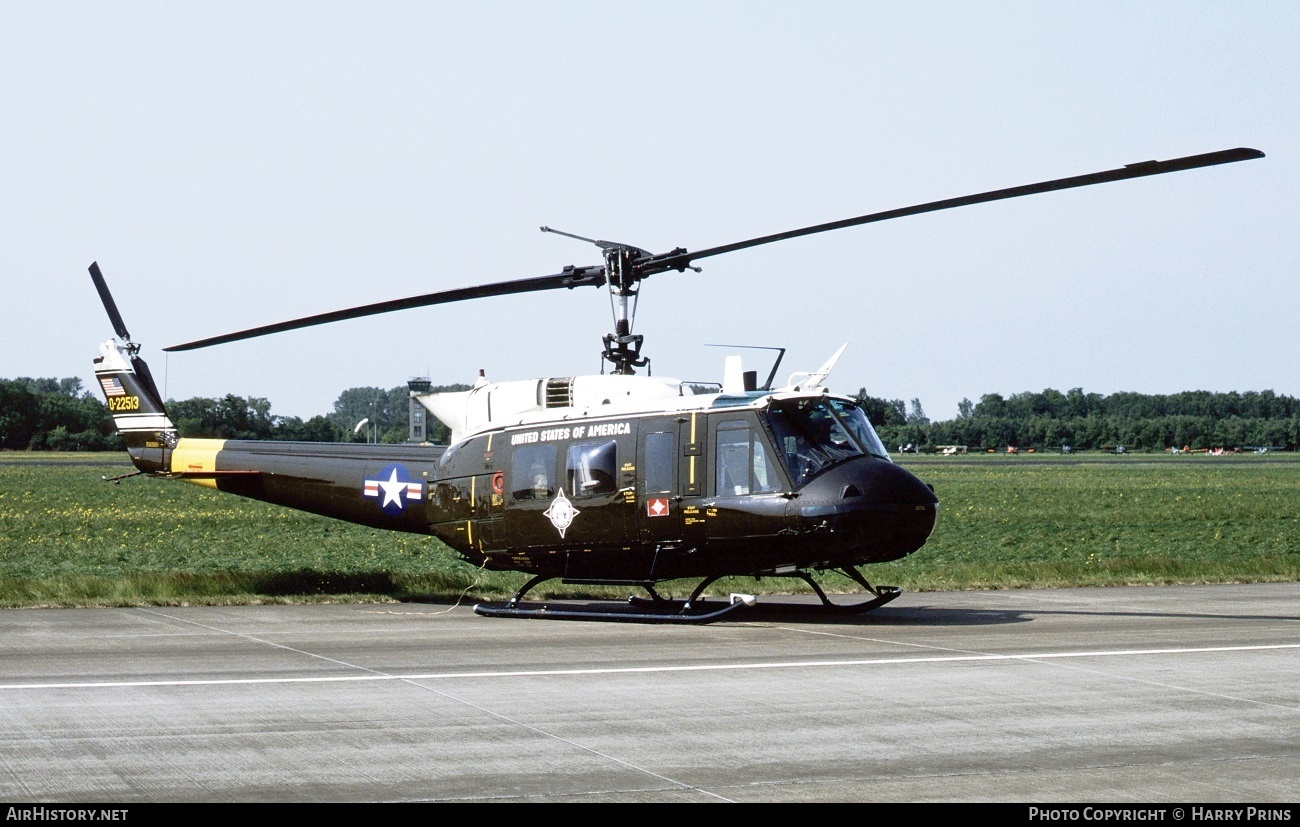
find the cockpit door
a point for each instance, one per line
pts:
(747, 489)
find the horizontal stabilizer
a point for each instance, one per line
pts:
(211, 475)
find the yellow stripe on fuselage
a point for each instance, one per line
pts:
(692, 479)
(197, 455)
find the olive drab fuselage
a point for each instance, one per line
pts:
(633, 497)
(670, 485)
(654, 497)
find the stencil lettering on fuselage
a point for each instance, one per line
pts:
(571, 432)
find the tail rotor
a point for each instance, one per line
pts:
(130, 392)
(119, 326)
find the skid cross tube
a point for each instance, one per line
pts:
(696, 609)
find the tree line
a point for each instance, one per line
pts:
(386, 414)
(53, 415)
(61, 415)
(1049, 419)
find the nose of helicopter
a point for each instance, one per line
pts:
(881, 509)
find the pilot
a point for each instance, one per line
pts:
(805, 460)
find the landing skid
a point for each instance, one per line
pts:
(694, 610)
(637, 610)
(880, 596)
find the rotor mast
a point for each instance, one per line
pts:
(625, 267)
(623, 347)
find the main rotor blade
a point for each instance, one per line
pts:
(679, 259)
(119, 326)
(570, 278)
(1138, 170)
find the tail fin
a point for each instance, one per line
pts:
(133, 398)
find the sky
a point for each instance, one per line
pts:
(240, 163)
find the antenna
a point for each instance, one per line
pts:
(780, 354)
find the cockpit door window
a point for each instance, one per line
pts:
(743, 464)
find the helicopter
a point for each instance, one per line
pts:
(615, 479)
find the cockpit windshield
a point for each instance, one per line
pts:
(855, 419)
(814, 434)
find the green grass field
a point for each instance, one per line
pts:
(69, 539)
(1108, 521)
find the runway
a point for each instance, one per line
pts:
(1169, 694)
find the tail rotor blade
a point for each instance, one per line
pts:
(119, 326)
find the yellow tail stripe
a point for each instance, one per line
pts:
(197, 455)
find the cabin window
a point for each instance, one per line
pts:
(590, 468)
(742, 462)
(657, 468)
(532, 472)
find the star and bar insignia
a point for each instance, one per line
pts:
(394, 488)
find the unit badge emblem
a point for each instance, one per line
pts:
(561, 513)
